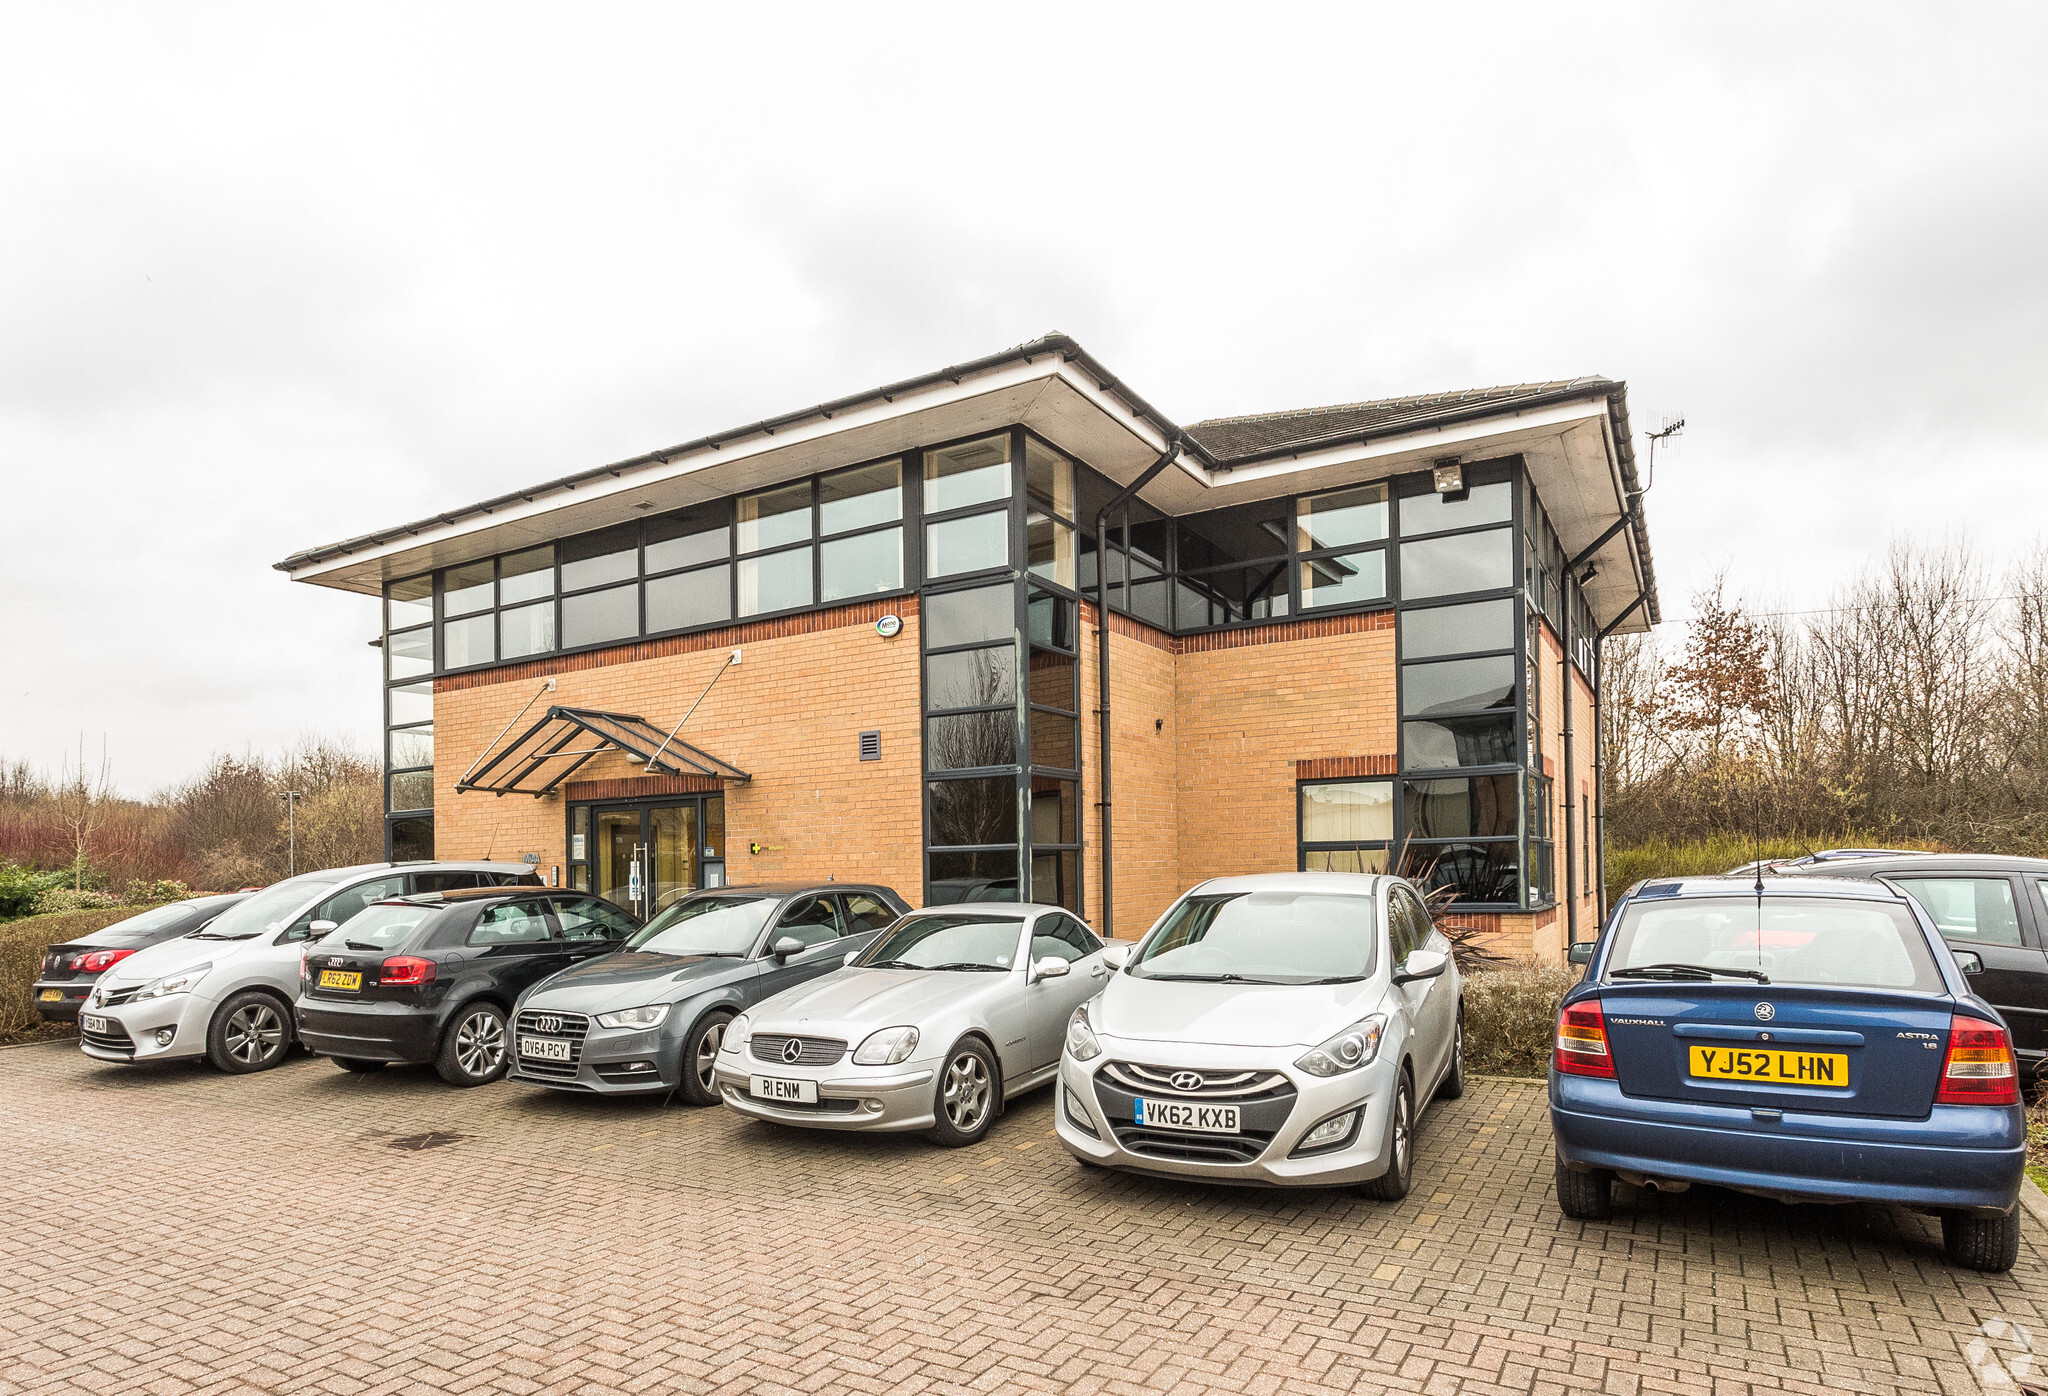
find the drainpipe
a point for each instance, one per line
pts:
(1173, 450)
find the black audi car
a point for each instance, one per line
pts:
(71, 969)
(433, 978)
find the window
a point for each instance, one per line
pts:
(1461, 562)
(974, 472)
(409, 653)
(1475, 627)
(1049, 518)
(1794, 940)
(974, 543)
(1458, 685)
(1346, 826)
(1407, 925)
(689, 575)
(350, 901)
(814, 920)
(866, 913)
(444, 881)
(1061, 937)
(512, 924)
(409, 603)
(591, 918)
(1478, 505)
(1976, 909)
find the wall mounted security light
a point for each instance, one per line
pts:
(1449, 477)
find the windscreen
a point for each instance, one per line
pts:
(1844, 943)
(705, 926)
(1263, 938)
(381, 926)
(953, 942)
(273, 903)
(155, 919)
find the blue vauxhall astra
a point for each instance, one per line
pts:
(1808, 1039)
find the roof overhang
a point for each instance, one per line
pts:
(1575, 442)
(565, 740)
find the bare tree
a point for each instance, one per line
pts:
(83, 803)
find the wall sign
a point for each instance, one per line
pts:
(576, 854)
(889, 627)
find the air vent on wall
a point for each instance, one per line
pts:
(871, 746)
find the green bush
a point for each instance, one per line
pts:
(1511, 1017)
(155, 893)
(68, 899)
(21, 888)
(22, 944)
(1626, 866)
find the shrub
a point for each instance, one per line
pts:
(67, 899)
(22, 944)
(21, 888)
(155, 893)
(1511, 1017)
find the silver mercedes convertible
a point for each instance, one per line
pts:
(947, 1015)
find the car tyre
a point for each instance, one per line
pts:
(964, 1100)
(358, 1064)
(252, 1031)
(1982, 1243)
(1454, 1080)
(1585, 1196)
(700, 1058)
(1392, 1185)
(475, 1050)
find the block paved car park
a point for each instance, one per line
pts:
(177, 1230)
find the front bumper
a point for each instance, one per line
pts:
(378, 1032)
(1964, 1157)
(70, 994)
(1114, 1143)
(134, 1028)
(604, 1061)
(879, 1099)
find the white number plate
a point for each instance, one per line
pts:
(543, 1049)
(772, 1088)
(1185, 1115)
(93, 1022)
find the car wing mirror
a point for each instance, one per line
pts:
(1422, 964)
(1969, 961)
(1051, 967)
(784, 947)
(851, 956)
(1116, 955)
(1580, 952)
(321, 928)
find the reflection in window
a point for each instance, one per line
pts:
(1048, 478)
(770, 519)
(597, 616)
(526, 630)
(1466, 629)
(1435, 513)
(468, 588)
(412, 790)
(977, 810)
(684, 599)
(1461, 562)
(472, 640)
(1345, 580)
(526, 576)
(1478, 873)
(965, 740)
(1458, 685)
(1228, 597)
(688, 538)
(409, 653)
(413, 702)
(1459, 741)
(1055, 741)
(970, 544)
(1050, 545)
(858, 498)
(1464, 808)
(1350, 860)
(986, 876)
(862, 565)
(969, 617)
(596, 559)
(775, 582)
(413, 746)
(974, 472)
(1342, 518)
(410, 602)
(971, 678)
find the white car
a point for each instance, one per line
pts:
(950, 1013)
(1279, 1030)
(226, 991)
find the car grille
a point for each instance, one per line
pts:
(113, 998)
(811, 1051)
(555, 1027)
(824, 1106)
(114, 1039)
(1264, 1099)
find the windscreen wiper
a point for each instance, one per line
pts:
(889, 964)
(1674, 971)
(358, 945)
(1208, 978)
(962, 964)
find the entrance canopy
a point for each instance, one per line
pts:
(550, 751)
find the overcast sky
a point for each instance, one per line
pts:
(272, 276)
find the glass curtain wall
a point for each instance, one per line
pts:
(1000, 627)
(409, 718)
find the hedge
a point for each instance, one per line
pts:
(22, 944)
(1511, 1017)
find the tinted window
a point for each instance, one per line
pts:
(588, 918)
(444, 881)
(516, 923)
(866, 913)
(1433, 513)
(349, 901)
(969, 617)
(1262, 937)
(597, 616)
(952, 942)
(1793, 940)
(1461, 562)
(382, 927)
(1458, 685)
(714, 925)
(1468, 629)
(689, 598)
(1968, 908)
(813, 921)
(1062, 936)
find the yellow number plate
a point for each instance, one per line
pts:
(1766, 1064)
(341, 979)
(51, 995)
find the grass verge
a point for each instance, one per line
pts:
(1629, 865)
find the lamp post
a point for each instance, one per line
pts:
(291, 800)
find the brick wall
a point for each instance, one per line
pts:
(1546, 934)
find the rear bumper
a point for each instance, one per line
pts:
(1965, 1156)
(63, 1009)
(378, 1032)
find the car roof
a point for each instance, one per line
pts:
(1937, 862)
(1358, 884)
(1020, 910)
(791, 889)
(1774, 885)
(422, 865)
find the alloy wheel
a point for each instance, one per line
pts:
(708, 1046)
(255, 1033)
(967, 1092)
(1404, 1130)
(480, 1044)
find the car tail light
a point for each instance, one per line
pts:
(95, 961)
(406, 969)
(1582, 1041)
(1979, 1069)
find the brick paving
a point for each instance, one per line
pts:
(172, 1230)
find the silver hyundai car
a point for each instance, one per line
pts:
(950, 1013)
(1282, 1030)
(225, 992)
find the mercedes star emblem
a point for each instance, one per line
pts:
(791, 1050)
(1765, 1012)
(1186, 1080)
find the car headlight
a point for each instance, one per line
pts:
(651, 1016)
(179, 983)
(887, 1047)
(1350, 1049)
(1081, 1043)
(737, 1034)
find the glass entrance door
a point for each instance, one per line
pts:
(642, 857)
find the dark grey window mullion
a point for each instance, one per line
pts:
(817, 542)
(1020, 656)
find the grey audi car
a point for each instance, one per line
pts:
(652, 1015)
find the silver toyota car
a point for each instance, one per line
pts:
(950, 1013)
(1278, 1030)
(225, 992)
